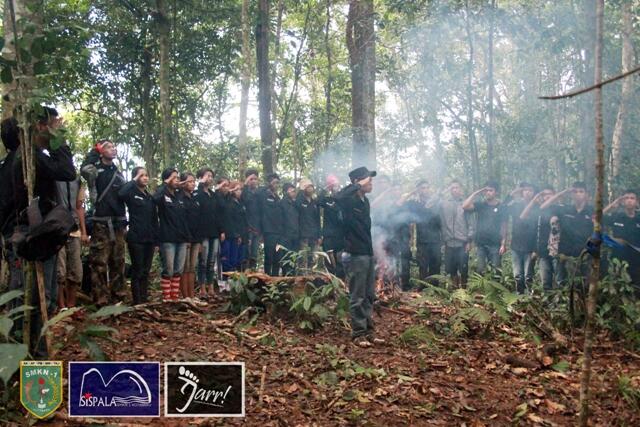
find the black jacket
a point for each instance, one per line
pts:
(270, 212)
(309, 217)
(428, 224)
(110, 204)
(143, 214)
(51, 166)
(192, 207)
(290, 219)
(331, 215)
(221, 206)
(251, 201)
(236, 220)
(172, 214)
(209, 219)
(357, 221)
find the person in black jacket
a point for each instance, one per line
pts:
(250, 200)
(307, 203)
(192, 206)
(332, 232)
(270, 223)
(236, 227)
(290, 238)
(222, 198)
(358, 255)
(53, 163)
(106, 254)
(174, 233)
(209, 230)
(142, 236)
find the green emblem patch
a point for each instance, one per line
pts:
(40, 386)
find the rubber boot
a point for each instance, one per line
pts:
(165, 284)
(175, 287)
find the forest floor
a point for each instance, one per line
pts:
(322, 379)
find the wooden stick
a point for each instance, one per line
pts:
(262, 380)
(43, 304)
(590, 88)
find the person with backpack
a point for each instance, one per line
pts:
(174, 233)
(106, 252)
(142, 236)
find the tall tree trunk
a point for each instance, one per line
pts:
(361, 42)
(245, 83)
(627, 87)
(586, 137)
(597, 224)
(264, 85)
(148, 113)
(166, 127)
(328, 122)
(491, 172)
(475, 162)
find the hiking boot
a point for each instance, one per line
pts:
(362, 342)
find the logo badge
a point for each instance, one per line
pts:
(41, 386)
(114, 389)
(204, 389)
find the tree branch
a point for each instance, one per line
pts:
(590, 88)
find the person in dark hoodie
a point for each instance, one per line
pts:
(142, 235)
(236, 229)
(208, 222)
(192, 206)
(53, 162)
(174, 233)
(270, 223)
(332, 232)
(307, 204)
(290, 238)
(106, 253)
(222, 198)
(250, 200)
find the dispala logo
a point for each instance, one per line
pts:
(114, 389)
(204, 389)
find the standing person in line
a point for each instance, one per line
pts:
(208, 224)
(425, 211)
(236, 229)
(142, 236)
(192, 207)
(251, 202)
(307, 204)
(270, 223)
(290, 238)
(625, 225)
(542, 222)
(174, 233)
(523, 236)
(358, 255)
(457, 232)
(69, 269)
(107, 250)
(222, 197)
(576, 226)
(332, 231)
(491, 226)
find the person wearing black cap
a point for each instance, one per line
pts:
(142, 236)
(270, 223)
(491, 225)
(290, 237)
(358, 254)
(174, 233)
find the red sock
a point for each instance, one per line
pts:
(175, 288)
(165, 284)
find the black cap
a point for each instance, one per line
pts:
(361, 173)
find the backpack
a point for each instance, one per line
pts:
(44, 240)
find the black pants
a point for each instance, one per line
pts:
(429, 260)
(287, 263)
(271, 264)
(456, 261)
(141, 257)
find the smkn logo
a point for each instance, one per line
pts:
(204, 389)
(41, 386)
(114, 389)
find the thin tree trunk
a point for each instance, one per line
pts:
(166, 127)
(245, 83)
(490, 166)
(597, 224)
(627, 87)
(148, 113)
(274, 64)
(328, 123)
(475, 162)
(264, 85)
(360, 34)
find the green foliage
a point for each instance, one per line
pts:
(418, 335)
(314, 307)
(629, 392)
